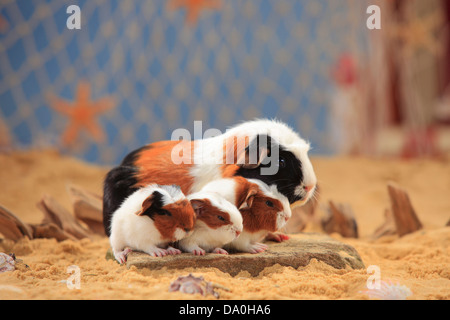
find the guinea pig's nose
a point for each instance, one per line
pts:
(238, 233)
(187, 229)
(308, 188)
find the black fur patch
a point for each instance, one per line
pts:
(156, 206)
(130, 159)
(119, 184)
(288, 177)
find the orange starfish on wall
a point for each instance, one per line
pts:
(194, 8)
(82, 113)
(418, 33)
(3, 24)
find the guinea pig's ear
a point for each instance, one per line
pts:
(256, 151)
(152, 202)
(249, 197)
(197, 205)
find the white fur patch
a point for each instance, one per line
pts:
(179, 234)
(206, 238)
(139, 232)
(224, 187)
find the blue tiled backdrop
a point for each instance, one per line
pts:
(236, 61)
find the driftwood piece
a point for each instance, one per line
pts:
(387, 228)
(340, 219)
(57, 214)
(88, 208)
(12, 227)
(405, 217)
(15, 229)
(58, 224)
(303, 215)
(50, 231)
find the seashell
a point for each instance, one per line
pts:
(389, 290)
(191, 285)
(7, 262)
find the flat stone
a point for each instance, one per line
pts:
(295, 252)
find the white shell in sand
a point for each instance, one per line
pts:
(7, 262)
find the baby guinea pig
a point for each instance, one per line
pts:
(149, 219)
(217, 222)
(263, 210)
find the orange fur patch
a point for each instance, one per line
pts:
(234, 149)
(183, 217)
(209, 215)
(243, 189)
(259, 216)
(229, 170)
(156, 166)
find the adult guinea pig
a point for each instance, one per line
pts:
(266, 150)
(217, 222)
(263, 208)
(149, 219)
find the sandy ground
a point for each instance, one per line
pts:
(418, 261)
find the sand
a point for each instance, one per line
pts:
(419, 261)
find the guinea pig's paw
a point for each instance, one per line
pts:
(277, 237)
(199, 251)
(157, 252)
(173, 251)
(220, 251)
(121, 256)
(257, 247)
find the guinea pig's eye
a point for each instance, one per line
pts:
(282, 162)
(221, 218)
(269, 203)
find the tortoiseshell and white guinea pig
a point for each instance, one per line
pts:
(263, 209)
(218, 222)
(149, 219)
(267, 150)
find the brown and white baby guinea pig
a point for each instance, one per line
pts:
(263, 209)
(217, 222)
(149, 220)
